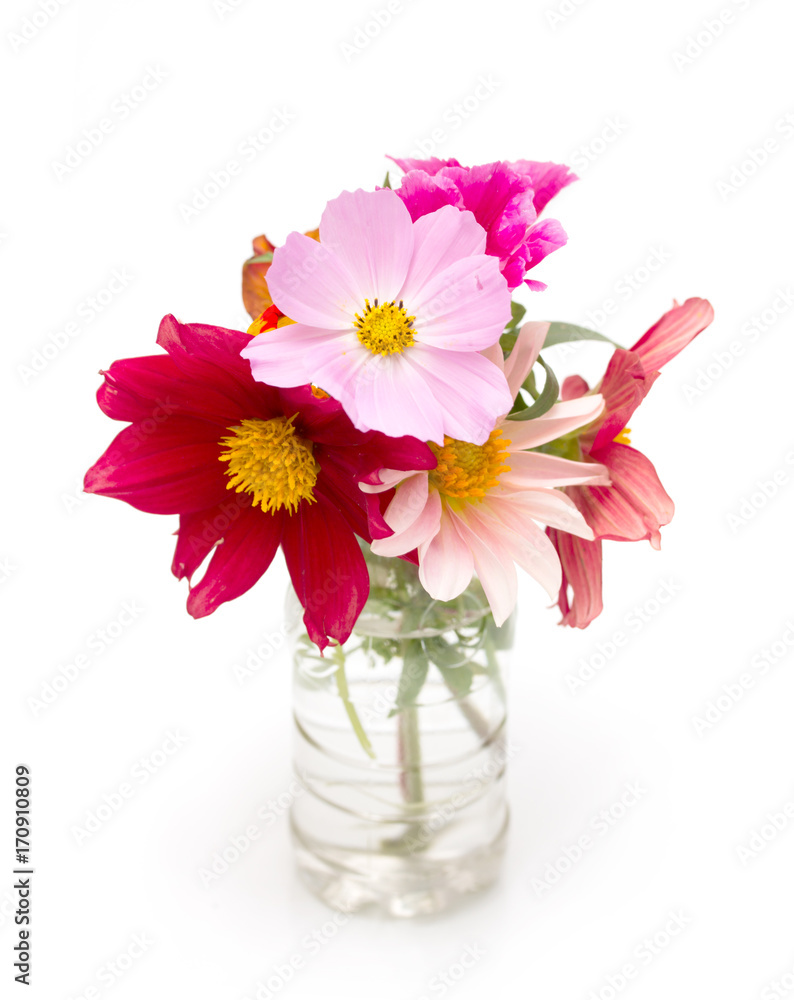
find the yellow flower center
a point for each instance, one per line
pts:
(469, 470)
(623, 437)
(269, 460)
(386, 329)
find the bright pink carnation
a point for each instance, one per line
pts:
(390, 316)
(505, 198)
(248, 468)
(635, 506)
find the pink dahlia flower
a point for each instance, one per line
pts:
(389, 318)
(635, 505)
(248, 468)
(506, 199)
(477, 510)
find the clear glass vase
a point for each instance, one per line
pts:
(400, 750)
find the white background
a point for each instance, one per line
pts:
(677, 130)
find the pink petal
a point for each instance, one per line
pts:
(446, 563)
(310, 284)
(529, 469)
(389, 394)
(471, 392)
(440, 240)
(510, 527)
(673, 332)
(291, 355)
(372, 236)
(560, 419)
(524, 354)
(548, 506)
(418, 532)
(463, 308)
(410, 499)
(581, 569)
(494, 565)
(245, 553)
(573, 387)
(388, 480)
(634, 507)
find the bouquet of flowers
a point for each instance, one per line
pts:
(389, 398)
(387, 390)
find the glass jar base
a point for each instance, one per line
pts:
(399, 885)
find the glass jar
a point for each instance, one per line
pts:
(400, 750)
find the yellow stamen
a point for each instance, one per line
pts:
(269, 460)
(623, 437)
(466, 471)
(386, 329)
(319, 393)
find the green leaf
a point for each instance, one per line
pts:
(447, 657)
(413, 676)
(565, 333)
(545, 400)
(262, 258)
(387, 182)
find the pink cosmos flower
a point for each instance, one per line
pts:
(477, 510)
(506, 199)
(635, 505)
(390, 316)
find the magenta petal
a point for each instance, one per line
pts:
(171, 470)
(573, 387)
(245, 553)
(327, 569)
(202, 530)
(673, 332)
(547, 179)
(635, 478)
(624, 386)
(431, 166)
(581, 571)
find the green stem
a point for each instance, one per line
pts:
(352, 714)
(410, 753)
